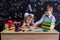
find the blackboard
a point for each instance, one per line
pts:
(15, 9)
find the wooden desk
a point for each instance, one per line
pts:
(51, 35)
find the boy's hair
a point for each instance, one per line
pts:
(48, 5)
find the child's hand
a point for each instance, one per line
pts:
(23, 26)
(35, 25)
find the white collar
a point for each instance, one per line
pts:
(50, 15)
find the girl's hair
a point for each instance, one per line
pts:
(30, 17)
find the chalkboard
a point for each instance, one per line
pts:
(15, 9)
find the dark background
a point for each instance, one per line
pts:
(15, 9)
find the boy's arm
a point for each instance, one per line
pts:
(41, 20)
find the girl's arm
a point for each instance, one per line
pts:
(23, 26)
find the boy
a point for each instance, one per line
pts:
(47, 17)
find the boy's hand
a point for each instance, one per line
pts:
(35, 25)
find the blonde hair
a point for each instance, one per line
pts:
(29, 17)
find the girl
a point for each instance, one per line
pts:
(28, 21)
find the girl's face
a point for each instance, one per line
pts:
(29, 19)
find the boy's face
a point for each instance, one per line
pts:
(49, 10)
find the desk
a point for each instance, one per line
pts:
(51, 35)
